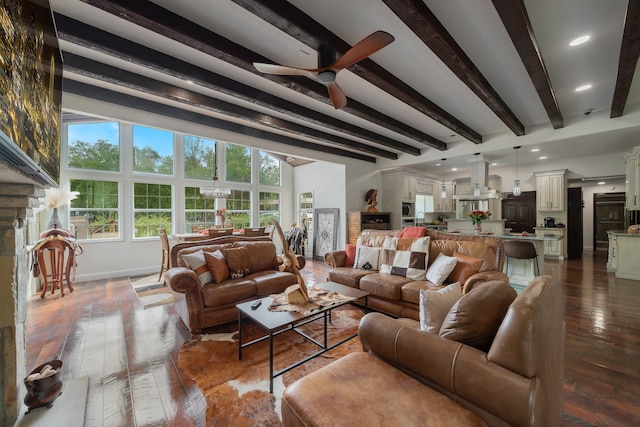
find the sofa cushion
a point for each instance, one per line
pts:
(413, 232)
(197, 263)
(435, 305)
(238, 262)
(440, 269)
(262, 255)
(384, 285)
(473, 249)
(217, 265)
(351, 255)
(227, 292)
(271, 281)
(474, 319)
(368, 258)
(465, 268)
(180, 262)
(411, 290)
(405, 257)
(348, 276)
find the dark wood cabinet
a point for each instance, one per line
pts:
(358, 221)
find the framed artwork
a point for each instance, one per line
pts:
(325, 233)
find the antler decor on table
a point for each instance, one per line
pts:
(296, 294)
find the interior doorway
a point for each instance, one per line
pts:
(519, 212)
(608, 215)
(305, 219)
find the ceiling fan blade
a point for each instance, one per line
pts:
(283, 70)
(367, 46)
(338, 98)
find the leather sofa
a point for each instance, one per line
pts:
(400, 296)
(406, 376)
(201, 306)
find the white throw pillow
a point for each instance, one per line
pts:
(368, 258)
(434, 306)
(197, 263)
(440, 269)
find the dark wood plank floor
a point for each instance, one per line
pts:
(130, 354)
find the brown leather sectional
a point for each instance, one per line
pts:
(400, 296)
(409, 377)
(215, 303)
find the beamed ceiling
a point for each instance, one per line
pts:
(461, 76)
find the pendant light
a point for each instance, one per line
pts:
(516, 182)
(476, 186)
(215, 191)
(443, 189)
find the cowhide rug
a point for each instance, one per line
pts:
(237, 391)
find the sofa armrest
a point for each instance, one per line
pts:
(460, 371)
(336, 259)
(185, 280)
(482, 277)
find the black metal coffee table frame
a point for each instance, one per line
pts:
(280, 322)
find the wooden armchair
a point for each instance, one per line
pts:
(254, 232)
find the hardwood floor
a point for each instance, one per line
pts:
(130, 354)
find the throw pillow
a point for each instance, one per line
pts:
(434, 306)
(413, 232)
(351, 254)
(465, 268)
(440, 269)
(238, 262)
(406, 257)
(217, 265)
(197, 263)
(367, 258)
(475, 318)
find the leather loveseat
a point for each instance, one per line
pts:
(400, 296)
(409, 377)
(246, 268)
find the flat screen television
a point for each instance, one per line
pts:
(30, 90)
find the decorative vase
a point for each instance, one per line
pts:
(54, 220)
(219, 221)
(477, 228)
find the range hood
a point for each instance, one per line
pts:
(479, 175)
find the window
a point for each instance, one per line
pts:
(199, 157)
(152, 209)
(94, 212)
(94, 146)
(269, 208)
(152, 150)
(238, 163)
(269, 169)
(239, 209)
(198, 210)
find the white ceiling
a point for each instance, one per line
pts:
(474, 25)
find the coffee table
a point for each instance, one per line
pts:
(278, 322)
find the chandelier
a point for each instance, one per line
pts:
(215, 191)
(443, 189)
(516, 182)
(476, 186)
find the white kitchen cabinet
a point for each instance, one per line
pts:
(612, 258)
(446, 204)
(550, 191)
(632, 161)
(397, 188)
(408, 187)
(554, 248)
(425, 186)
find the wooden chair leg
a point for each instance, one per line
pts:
(162, 266)
(43, 271)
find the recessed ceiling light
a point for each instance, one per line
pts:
(493, 164)
(543, 158)
(535, 150)
(579, 40)
(583, 87)
(189, 81)
(601, 183)
(454, 169)
(438, 164)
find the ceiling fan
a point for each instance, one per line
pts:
(328, 66)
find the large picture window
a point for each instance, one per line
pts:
(269, 208)
(152, 150)
(239, 209)
(94, 146)
(199, 212)
(238, 163)
(269, 169)
(199, 157)
(152, 209)
(94, 213)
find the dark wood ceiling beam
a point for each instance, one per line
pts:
(109, 44)
(106, 95)
(629, 54)
(103, 72)
(419, 18)
(162, 21)
(516, 21)
(300, 26)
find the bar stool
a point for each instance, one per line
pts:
(521, 249)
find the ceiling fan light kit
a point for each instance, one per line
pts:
(328, 66)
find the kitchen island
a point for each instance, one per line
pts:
(623, 254)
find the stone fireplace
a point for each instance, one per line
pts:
(16, 205)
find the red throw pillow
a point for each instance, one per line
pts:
(413, 232)
(351, 254)
(465, 268)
